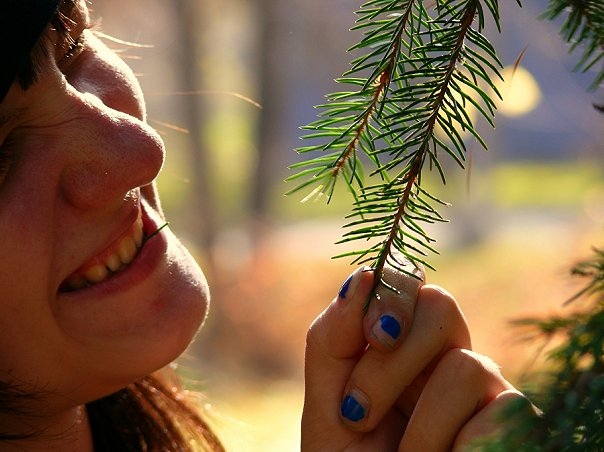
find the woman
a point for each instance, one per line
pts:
(97, 297)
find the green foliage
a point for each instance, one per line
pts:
(572, 395)
(573, 404)
(419, 71)
(583, 28)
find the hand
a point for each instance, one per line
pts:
(401, 377)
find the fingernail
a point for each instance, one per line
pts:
(344, 289)
(391, 326)
(387, 330)
(351, 409)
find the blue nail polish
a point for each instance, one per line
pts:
(351, 409)
(344, 288)
(390, 326)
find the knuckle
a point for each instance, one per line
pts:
(467, 365)
(440, 300)
(315, 334)
(519, 402)
(443, 309)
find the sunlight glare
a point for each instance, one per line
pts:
(520, 91)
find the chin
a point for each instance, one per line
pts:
(181, 311)
(123, 340)
(189, 305)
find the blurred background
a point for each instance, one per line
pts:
(228, 84)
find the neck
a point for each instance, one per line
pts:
(67, 431)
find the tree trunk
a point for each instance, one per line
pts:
(203, 209)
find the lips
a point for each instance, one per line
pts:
(116, 257)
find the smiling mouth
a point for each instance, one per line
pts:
(112, 261)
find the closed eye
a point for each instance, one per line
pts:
(73, 50)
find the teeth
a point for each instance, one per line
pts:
(118, 259)
(127, 250)
(113, 262)
(96, 273)
(138, 232)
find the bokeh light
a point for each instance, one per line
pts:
(521, 92)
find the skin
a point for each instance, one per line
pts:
(82, 165)
(425, 391)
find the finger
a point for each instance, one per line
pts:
(379, 379)
(338, 331)
(451, 323)
(334, 343)
(461, 385)
(495, 418)
(390, 310)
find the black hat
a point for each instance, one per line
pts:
(21, 24)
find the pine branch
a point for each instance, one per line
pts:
(421, 71)
(573, 401)
(583, 28)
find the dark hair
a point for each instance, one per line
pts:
(21, 24)
(152, 414)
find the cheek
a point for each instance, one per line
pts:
(30, 340)
(31, 344)
(26, 232)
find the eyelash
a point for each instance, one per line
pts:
(76, 45)
(73, 49)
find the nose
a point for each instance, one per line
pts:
(107, 153)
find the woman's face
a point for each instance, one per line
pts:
(87, 304)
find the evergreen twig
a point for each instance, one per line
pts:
(420, 72)
(573, 403)
(583, 29)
